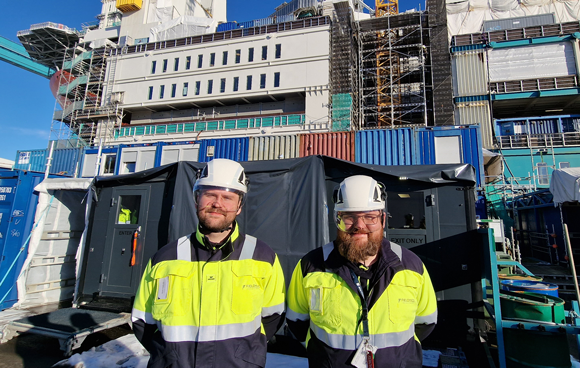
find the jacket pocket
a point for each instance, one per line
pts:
(173, 289)
(403, 300)
(247, 289)
(324, 292)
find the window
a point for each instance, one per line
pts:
(173, 90)
(277, 79)
(238, 56)
(161, 91)
(564, 165)
(185, 86)
(249, 83)
(128, 208)
(543, 178)
(197, 88)
(199, 61)
(223, 85)
(236, 83)
(129, 167)
(150, 96)
(176, 65)
(109, 165)
(407, 210)
(262, 80)
(278, 51)
(212, 59)
(164, 65)
(153, 65)
(225, 58)
(250, 54)
(264, 52)
(188, 63)
(209, 86)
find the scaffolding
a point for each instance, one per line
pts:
(394, 71)
(343, 61)
(90, 111)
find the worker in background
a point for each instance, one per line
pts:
(215, 297)
(361, 300)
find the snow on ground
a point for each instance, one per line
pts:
(127, 352)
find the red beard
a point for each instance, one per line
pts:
(358, 250)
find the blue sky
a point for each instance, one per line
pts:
(26, 103)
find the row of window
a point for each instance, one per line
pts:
(235, 86)
(212, 59)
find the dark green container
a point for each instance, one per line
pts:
(525, 348)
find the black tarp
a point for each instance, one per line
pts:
(289, 203)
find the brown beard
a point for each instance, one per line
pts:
(356, 252)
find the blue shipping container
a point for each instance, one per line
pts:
(233, 148)
(17, 210)
(470, 146)
(65, 161)
(385, 147)
(538, 125)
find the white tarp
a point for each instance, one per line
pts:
(467, 16)
(531, 62)
(181, 27)
(50, 271)
(492, 165)
(565, 185)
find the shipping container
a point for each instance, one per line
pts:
(337, 144)
(18, 203)
(537, 125)
(65, 161)
(275, 147)
(139, 157)
(179, 151)
(386, 147)
(476, 113)
(229, 26)
(518, 22)
(451, 145)
(469, 73)
(108, 163)
(233, 148)
(129, 5)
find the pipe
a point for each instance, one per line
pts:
(571, 260)
(49, 160)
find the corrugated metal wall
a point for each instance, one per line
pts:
(65, 161)
(339, 145)
(469, 73)
(233, 148)
(274, 147)
(385, 147)
(476, 113)
(471, 152)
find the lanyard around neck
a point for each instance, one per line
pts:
(365, 308)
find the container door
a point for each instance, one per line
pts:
(122, 261)
(7, 190)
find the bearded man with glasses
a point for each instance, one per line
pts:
(361, 300)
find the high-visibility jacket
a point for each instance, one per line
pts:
(199, 306)
(325, 309)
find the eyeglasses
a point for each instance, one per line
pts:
(367, 218)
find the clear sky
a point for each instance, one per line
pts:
(26, 103)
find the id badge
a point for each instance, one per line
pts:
(365, 355)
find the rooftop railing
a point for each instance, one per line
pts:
(539, 140)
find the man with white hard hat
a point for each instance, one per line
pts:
(361, 300)
(212, 298)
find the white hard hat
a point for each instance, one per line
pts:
(359, 193)
(221, 173)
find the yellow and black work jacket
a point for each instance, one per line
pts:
(325, 309)
(203, 307)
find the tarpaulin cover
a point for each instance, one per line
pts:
(565, 185)
(467, 16)
(289, 203)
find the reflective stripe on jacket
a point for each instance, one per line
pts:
(197, 307)
(324, 307)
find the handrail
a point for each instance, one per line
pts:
(539, 140)
(222, 124)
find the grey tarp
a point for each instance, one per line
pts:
(289, 205)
